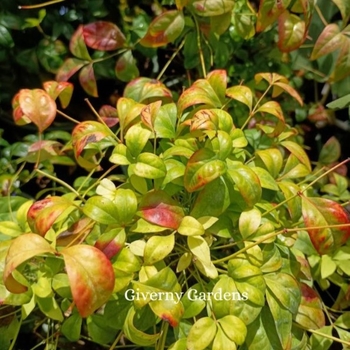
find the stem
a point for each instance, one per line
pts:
(322, 334)
(321, 16)
(116, 341)
(47, 3)
(164, 332)
(102, 59)
(170, 60)
(64, 184)
(67, 117)
(201, 57)
(100, 119)
(9, 188)
(13, 343)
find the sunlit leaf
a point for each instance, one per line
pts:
(36, 106)
(103, 36)
(164, 29)
(242, 94)
(201, 334)
(157, 248)
(149, 166)
(91, 277)
(310, 313)
(43, 213)
(160, 209)
(23, 248)
(292, 32)
(190, 227)
(249, 221)
(298, 152)
(210, 8)
(269, 11)
(62, 90)
(322, 212)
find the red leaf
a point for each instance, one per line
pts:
(88, 81)
(42, 214)
(109, 115)
(149, 114)
(62, 90)
(69, 68)
(126, 68)
(35, 105)
(91, 277)
(321, 212)
(111, 242)
(159, 208)
(269, 11)
(164, 29)
(103, 36)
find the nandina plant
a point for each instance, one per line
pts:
(200, 224)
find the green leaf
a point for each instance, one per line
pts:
(319, 342)
(50, 308)
(91, 277)
(268, 13)
(71, 327)
(266, 180)
(242, 94)
(330, 151)
(298, 152)
(149, 166)
(164, 124)
(5, 37)
(233, 328)
(221, 341)
(328, 266)
(135, 335)
(201, 169)
(69, 68)
(208, 8)
(23, 248)
(192, 306)
(271, 159)
(190, 227)
(344, 8)
(201, 334)
(249, 221)
(87, 80)
(77, 45)
(157, 248)
(102, 210)
(120, 155)
(340, 103)
(285, 289)
(310, 313)
(164, 29)
(247, 182)
(290, 191)
(111, 242)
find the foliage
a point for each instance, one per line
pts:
(198, 220)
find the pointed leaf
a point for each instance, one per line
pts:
(126, 68)
(103, 36)
(149, 114)
(159, 208)
(37, 106)
(190, 227)
(234, 328)
(310, 313)
(330, 40)
(324, 212)
(62, 90)
(280, 86)
(91, 277)
(273, 108)
(69, 68)
(249, 221)
(43, 214)
(201, 169)
(242, 94)
(164, 29)
(330, 152)
(342, 66)
(149, 166)
(298, 152)
(201, 334)
(136, 139)
(269, 11)
(88, 81)
(23, 248)
(169, 310)
(157, 248)
(77, 45)
(292, 32)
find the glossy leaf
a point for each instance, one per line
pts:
(190, 227)
(201, 334)
(271, 159)
(126, 68)
(62, 90)
(135, 335)
(157, 248)
(149, 166)
(149, 114)
(44, 213)
(136, 139)
(234, 328)
(111, 242)
(91, 277)
(247, 182)
(77, 45)
(23, 248)
(36, 106)
(292, 32)
(273, 108)
(280, 86)
(290, 191)
(298, 152)
(88, 81)
(269, 11)
(340, 103)
(160, 209)
(164, 29)
(69, 68)
(210, 8)
(330, 40)
(201, 169)
(242, 94)
(221, 341)
(324, 212)
(244, 20)
(310, 313)
(103, 36)
(164, 124)
(249, 221)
